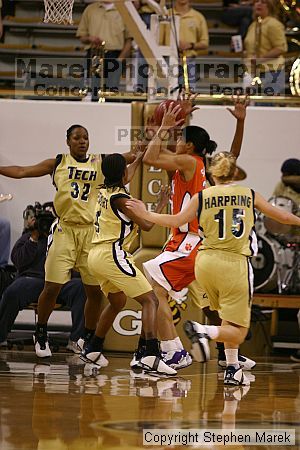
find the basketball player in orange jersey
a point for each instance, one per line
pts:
(173, 270)
(76, 176)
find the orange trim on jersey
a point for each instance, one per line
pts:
(183, 191)
(173, 244)
(179, 272)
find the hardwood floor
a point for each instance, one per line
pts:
(63, 404)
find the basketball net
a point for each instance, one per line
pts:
(58, 11)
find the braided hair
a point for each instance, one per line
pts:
(113, 168)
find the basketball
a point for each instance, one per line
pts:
(163, 106)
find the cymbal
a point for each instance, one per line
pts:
(239, 174)
(4, 197)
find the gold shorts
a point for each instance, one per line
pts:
(115, 271)
(68, 248)
(197, 296)
(227, 279)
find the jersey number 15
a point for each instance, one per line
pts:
(237, 223)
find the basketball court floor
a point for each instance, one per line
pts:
(64, 404)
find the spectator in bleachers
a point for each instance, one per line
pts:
(1, 23)
(265, 45)
(193, 36)
(28, 255)
(238, 13)
(4, 241)
(100, 22)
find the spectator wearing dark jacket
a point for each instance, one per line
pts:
(1, 23)
(28, 255)
(238, 13)
(4, 241)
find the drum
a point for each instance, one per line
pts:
(281, 231)
(260, 228)
(265, 263)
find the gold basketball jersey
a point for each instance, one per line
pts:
(111, 225)
(76, 183)
(226, 219)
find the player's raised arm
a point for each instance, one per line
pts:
(153, 156)
(130, 156)
(165, 220)
(280, 215)
(145, 225)
(45, 167)
(131, 168)
(239, 112)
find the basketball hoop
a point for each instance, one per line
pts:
(58, 11)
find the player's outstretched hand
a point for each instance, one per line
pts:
(187, 101)
(164, 196)
(170, 119)
(137, 207)
(240, 106)
(139, 150)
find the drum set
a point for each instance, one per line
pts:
(276, 266)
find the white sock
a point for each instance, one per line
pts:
(179, 345)
(232, 357)
(167, 346)
(212, 331)
(228, 414)
(230, 407)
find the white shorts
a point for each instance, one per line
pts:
(173, 269)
